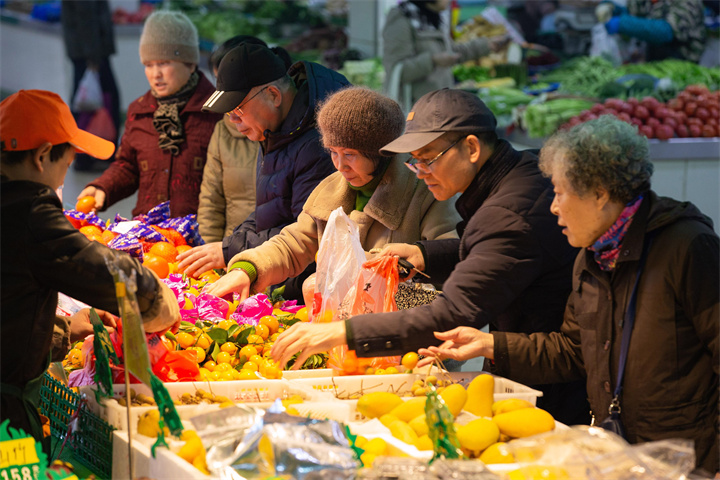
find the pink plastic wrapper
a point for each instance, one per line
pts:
(291, 306)
(210, 307)
(252, 309)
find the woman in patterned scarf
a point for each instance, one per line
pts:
(164, 146)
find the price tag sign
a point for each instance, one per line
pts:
(21, 457)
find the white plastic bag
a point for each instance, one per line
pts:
(340, 258)
(605, 45)
(89, 96)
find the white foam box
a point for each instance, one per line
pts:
(165, 465)
(346, 387)
(240, 391)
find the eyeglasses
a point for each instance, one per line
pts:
(415, 164)
(238, 110)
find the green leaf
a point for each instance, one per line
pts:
(220, 335)
(233, 328)
(215, 350)
(276, 294)
(243, 335)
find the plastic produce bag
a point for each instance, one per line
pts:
(88, 96)
(374, 292)
(339, 260)
(605, 45)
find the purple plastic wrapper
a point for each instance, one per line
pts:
(158, 213)
(211, 307)
(252, 309)
(187, 226)
(92, 219)
(144, 232)
(75, 215)
(127, 243)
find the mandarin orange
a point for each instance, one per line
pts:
(157, 264)
(164, 250)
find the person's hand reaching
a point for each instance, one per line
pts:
(98, 194)
(461, 343)
(445, 59)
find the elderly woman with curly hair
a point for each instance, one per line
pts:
(646, 261)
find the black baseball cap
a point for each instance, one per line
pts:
(244, 67)
(438, 112)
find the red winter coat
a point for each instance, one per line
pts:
(140, 165)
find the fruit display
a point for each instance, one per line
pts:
(485, 422)
(693, 113)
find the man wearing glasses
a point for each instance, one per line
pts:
(511, 267)
(275, 107)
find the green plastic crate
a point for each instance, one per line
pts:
(91, 442)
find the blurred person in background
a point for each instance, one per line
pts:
(644, 255)
(43, 254)
(274, 106)
(670, 28)
(163, 149)
(385, 199)
(227, 193)
(418, 53)
(89, 42)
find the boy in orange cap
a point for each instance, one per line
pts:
(42, 253)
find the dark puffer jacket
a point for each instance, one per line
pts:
(292, 161)
(514, 273)
(140, 165)
(670, 388)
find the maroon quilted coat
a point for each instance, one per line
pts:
(140, 165)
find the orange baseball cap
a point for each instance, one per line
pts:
(30, 118)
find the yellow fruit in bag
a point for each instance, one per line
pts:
(510, 405)
(419, 424)
(149, 424)
(455, 397)
(403, 432)
(480, 394)
(478, 434)
(524, 422)
(497, 453)
(377, 404)
(410, 409)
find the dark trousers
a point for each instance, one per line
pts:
(111, 100)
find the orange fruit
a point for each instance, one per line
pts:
(108, 235)
(409, 360)
(182, 248)
(88, 230)
(248, 351)
(164, 250)
(185, 340)
(85, 204)
(271, 322)
(157, 264)
(302, 314)
(263, 331)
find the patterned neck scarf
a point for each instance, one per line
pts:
(166, 118)
(607, 247)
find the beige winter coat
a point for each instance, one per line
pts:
(401, 210)
(227, 193)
